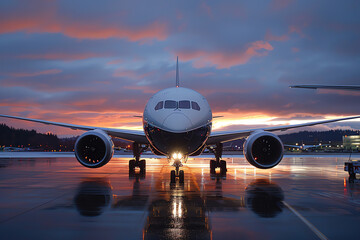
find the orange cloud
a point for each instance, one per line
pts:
(62, 56)
(33, 74)
(130, 74)
(154, 30)
(123, 119)
(296, 29)
(270, 37)
(226, 59)
(88, 30)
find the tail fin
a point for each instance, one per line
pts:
(177, 71)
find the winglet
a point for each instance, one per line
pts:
(177, 71)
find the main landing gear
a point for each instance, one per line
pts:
(177, 173)
(137, 150)
(217, 163)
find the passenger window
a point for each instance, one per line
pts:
(195, 106)
(159, 105)
(184, 104)
(170, 104)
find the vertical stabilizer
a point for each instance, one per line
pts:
(177, 71)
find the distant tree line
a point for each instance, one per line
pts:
(315, 137)
(11, 137)
(31, 139)
(22, 138)
(303, 137)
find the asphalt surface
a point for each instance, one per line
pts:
(54, 197)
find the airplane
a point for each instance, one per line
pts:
(306, 147)
(337, 87)
(14, 149)
(177, 123)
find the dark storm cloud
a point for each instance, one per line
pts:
(66, 58)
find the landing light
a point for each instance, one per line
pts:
(177, 156)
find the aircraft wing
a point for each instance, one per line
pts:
(220, 137)
(130, 135)
(341, 87)
(292, 146)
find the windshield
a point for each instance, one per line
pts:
(170, 104)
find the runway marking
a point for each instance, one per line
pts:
(307, 223)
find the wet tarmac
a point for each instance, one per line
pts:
(305, 197)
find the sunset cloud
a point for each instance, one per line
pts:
(155, 30)
(33, 74)
(226, 59)
(270, 37)
(98, 64)
(51, 22)
(61, 56)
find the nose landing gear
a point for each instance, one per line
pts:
(177, 173)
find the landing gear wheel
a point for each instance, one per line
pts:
(351, 179)
(223, 169)
(181, 176)
(142, 165)
(172, 176)
(131, 166)
(212, 166)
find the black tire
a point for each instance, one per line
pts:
(212, 166)
(351, 179)
(142, 175)
(172, 176)
(181, 176)
(350, 169)
(142, 165)
(223, 168)
(131, 166)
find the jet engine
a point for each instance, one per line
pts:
(94, 148)
(263, 149)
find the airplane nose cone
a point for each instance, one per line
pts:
(177, 122)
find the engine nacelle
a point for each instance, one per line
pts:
(94, 148)
(263, 149)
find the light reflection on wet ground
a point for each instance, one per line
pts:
(304, 197)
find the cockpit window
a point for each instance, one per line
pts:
(184, 104)
(159, 105)
(195, 106)
(170, 104)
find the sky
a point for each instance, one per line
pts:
(97, 63)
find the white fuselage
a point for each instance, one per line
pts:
(177, 116)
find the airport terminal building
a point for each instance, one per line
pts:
(351, 142)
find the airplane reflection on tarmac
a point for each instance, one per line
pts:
(264, 198)
(93, 196)
(177, 212)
